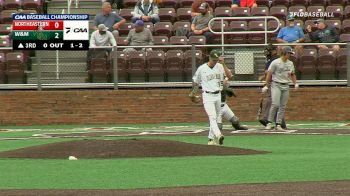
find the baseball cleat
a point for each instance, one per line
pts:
(279, 128)
(243, 127)
(212, 142)
(221, 140)
(268, 126)
(263, 122)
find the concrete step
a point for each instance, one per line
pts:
(56, 81)
(47, 54)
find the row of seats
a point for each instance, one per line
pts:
(173, 65)
(6, 15)
(12, 67)
(220, 3)
(312, 62)
(17, 4)
(281, 12)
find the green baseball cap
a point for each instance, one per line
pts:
(290, 17)
(214, 55)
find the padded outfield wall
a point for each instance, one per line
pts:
(157, 106)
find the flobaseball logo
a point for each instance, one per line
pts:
(76, 30)
(312, 14)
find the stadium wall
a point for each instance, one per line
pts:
(157, 106)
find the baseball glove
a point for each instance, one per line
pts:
(195, 98)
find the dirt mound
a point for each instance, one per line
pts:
(122, 149)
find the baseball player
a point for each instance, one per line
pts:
(226, 111)
(280, 71)
(210, 76)
(271, 55)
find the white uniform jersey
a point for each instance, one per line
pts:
(210, 79)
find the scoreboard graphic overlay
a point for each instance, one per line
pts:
(50, 31)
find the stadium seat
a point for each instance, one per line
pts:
(311, 23)
(280, 2)
(136, 69)
(163, 28)
(181, 24)
(223, 12)
(307, 63)
(258, 38)
(160, 40)
(6, 16)
(223, 3)
(12, 4)
(337, 2)
(279, 12)
(32, 4)
(186, 3)
(29, 12)
(5, 29)
(337, 11)
(217, 28)
(121, 41)
(299, 2)
(197, 40)
(241, 11)
(15, 67)
(188, 63)
(344, 37)
(184, 14)
(2, 68)
(127, 14)
(334, 23)
(167, 14)
(5, 42)
(297, 8)
(170, 3)
(347, 12)
(211, 3)
(155, 66)
(259, 11)
(174, 65)
(238, 38)
(129, 3)
(317, 2)
(150, 26)
(341, 63)
(125, 28)
(263, 3)
(315, 9)
(346, 26)
(122, 67)
(326, 63)
(178, 40)
(272, 25)
(99, 70)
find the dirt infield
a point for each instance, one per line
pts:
(333, 188)
(131, 148)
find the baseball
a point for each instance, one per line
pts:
(72, 158)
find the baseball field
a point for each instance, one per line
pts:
(311, 158)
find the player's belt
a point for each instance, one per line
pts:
(215, 92)
(280, 83)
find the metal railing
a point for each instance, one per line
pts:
(222, 32)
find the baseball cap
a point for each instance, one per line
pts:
(102, 27)
(214, 55)
(204, 6)
(139, 23)
(319, 21)
(287, 49)
(290, 17)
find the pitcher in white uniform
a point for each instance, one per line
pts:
(211, 76)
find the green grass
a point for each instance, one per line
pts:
(293, 158)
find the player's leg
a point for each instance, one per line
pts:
(275, 104)
(220, 118)
(230, 116)
(218, 134)
(210, 108)
(283, 100)
(266, 108)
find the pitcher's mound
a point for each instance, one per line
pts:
(122, 149)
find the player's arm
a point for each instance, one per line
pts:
(227, 71)
(293, 77)
(195, 83)
(268, 78)
(92, 40)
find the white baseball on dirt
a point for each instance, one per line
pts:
(72, 158)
